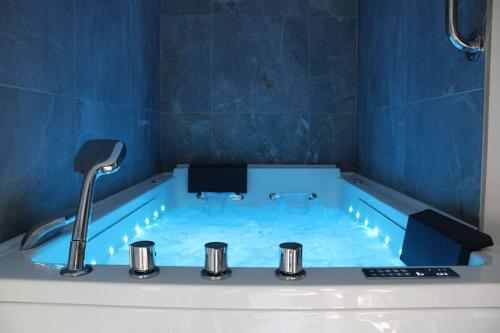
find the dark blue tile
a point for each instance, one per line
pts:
(435, 66)
(38, 143)
(381, 148)
(99, 120)
(332, 65)
(185, 138)
(260, 64)
(117, 51)
(186, 7)
(146, 65)
(382, 62)
(118, 58)
(428, 149)
(36, 39)
(145, 145)
(186, 64)
(261, 7)
(444, 152)
(260, 138)
(333, 140)
(471, 16)
(333, 8)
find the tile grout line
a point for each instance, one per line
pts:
(261, 15)
(76, 103)
(309, 81)
(406, 52)
(75, 75)
(264, 113)
(161, 111)
(48, 93)
(430, 99)
(160, 87)
(211, 94)
(356, 19)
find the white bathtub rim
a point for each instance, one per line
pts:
(177, 287)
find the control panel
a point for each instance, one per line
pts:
(410, 273)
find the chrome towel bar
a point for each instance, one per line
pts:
(474, 46)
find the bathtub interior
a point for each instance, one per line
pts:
(142, 215)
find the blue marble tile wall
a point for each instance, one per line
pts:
(73, 70)
(420, 109)
(259, 81)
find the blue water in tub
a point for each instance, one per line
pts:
(331, 237)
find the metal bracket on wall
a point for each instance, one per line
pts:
(474, 46)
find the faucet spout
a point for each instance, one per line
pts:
(95, 158)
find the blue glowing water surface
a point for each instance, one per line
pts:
(331, 237)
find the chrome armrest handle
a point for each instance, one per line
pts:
(47, 229)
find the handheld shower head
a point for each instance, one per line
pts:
(100, 157)
(95, 158)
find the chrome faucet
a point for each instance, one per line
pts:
(95, 158)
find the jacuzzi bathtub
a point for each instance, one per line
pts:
(332, 297)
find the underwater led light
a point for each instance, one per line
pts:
(358, 214)
(366, 222)
(375, 231)
(155, 214)
(125, 239)
(386, 240)
(350, 209)
(111, 250)
(93, 262)
(162, 208)
(137, 229)
(146, 220)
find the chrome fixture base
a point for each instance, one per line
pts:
(290, 277)
(478, 37)
(141, 276)
(74, 273)
(216, 277)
